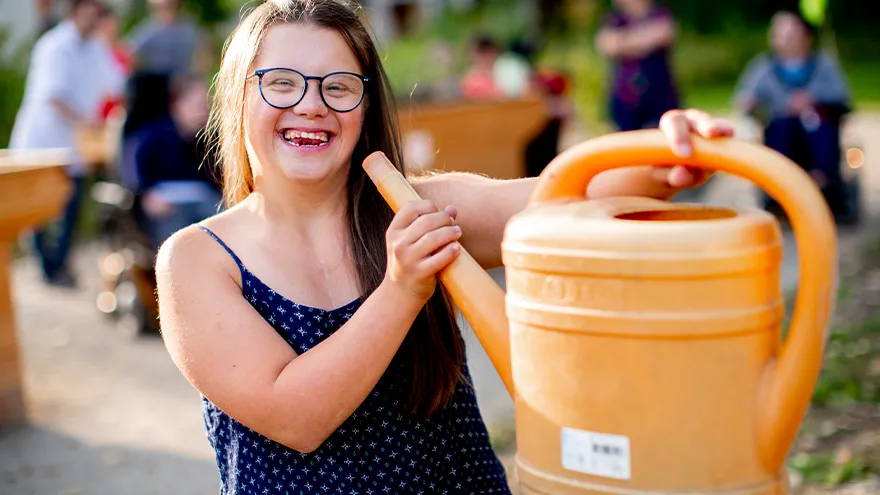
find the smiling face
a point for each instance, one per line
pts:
(308, 142)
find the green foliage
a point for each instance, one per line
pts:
(814, 10)
(850, 358)
(13, 70)
(825, 469)
(206, 12)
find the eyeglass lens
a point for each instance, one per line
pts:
(285, 88)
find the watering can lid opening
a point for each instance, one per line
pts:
(636, 224)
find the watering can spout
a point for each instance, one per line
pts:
(478, 297)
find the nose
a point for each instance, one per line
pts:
(311, 106)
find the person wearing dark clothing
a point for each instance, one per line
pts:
(637, 36)
(799, 94)
(175, 175)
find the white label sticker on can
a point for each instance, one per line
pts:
(598, 454)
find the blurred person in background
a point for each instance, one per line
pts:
(799, 94)
(176, 182)
(164, 45)
(71, 72)
(108, 32)
(478, 81)
(519, 75)
(167, 42)
(637, 36)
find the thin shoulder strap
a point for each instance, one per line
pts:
(227, 248)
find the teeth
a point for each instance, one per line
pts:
(318, 136)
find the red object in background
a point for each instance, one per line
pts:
(124, 62)
(479, 85)
(553, 81)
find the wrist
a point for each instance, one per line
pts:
(643, 180)
(396, 294)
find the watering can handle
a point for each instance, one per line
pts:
(789, 381)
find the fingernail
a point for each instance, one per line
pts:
(457, 229)
(683, 149)
(456, 246)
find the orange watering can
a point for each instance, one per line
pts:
(641, 339)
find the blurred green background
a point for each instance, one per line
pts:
(716, 41)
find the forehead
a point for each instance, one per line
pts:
(786, 20)
(308, 49)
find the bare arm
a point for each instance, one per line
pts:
(745, 98)
(58, 85)
(64, 110)
(237, 360)
(636, 41)
(485, 205)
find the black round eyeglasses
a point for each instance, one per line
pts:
(284, 88)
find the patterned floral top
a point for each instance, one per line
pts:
(376, 451)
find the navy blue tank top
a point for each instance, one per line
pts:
(378, 450)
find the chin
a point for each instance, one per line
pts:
(310, 169)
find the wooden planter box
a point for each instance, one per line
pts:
(482, 137)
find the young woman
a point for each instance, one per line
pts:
(307, 314)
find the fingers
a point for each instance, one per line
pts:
(680, 177)
(421, 241)
(441, 258)
(677, 129)
(707, 126)
(429, 230)
(426, 223)
(411, 211)
(679, 124)
(434, 240)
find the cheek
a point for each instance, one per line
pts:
(350, 124)
(260, 120)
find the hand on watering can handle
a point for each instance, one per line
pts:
(678, 125)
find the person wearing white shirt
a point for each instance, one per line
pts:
(71, 71)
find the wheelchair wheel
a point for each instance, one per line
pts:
(136, 322)
(851, 204)
(130, 304)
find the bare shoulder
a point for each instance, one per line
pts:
(193, 252)
(188, 252)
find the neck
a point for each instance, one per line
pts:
(794, 56)
(80, 29)
(167, 18)
(302, 207)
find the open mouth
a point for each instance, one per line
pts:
(306, 139)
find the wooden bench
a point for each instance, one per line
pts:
(35, 189)
(483, 137)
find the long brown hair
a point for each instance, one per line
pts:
(433, 351)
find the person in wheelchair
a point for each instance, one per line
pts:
(799, 95)
(176, 184)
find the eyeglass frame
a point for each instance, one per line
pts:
(261, 72)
